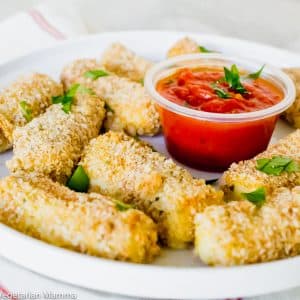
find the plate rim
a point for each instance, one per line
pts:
(167, 270)
(175, 274)
(74, 40)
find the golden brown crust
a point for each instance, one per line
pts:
(87, 223)
(124, 62)
(240, 233)
(292, 114)
(130, 107)
(37, 91)
(130, 170)
(243, 177)
(133, 111)
(73, 71)
(183, 46)
(52, 143)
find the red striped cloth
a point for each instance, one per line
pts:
(4, 292)
(45, 25)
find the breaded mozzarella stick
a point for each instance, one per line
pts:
(87, 223)
(130, 108)
(22, 101)
(52, 144)
(124, 62)
(183, 46)
(122, 167)
(73, 71)
(240, 233)
(292, 114)
(244, 177)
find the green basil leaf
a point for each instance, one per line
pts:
(121, 206)
(66, 100)
(220, 92)
(204, 50)
(26, 110)
(95, 74)
(72, 90)
(293, 166)
(261, 163)
(228, 76)
(276, 165)
(257, 197)
(57, 99)
(78, 88)
(66, 105)
(257, 74)
(279, 161)
(271, 170)
(79, 181)
(84, 90)
(232, 77)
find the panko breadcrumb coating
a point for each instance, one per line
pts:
(130, 108)
(52, 143)
(73, 71)
(243, 177)
(184, 46)
(241, 233)
(129, 170)
(124, 62)
(87, 223)
(35, 92)
(292, 114)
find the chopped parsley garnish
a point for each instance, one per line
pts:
(232, 78)
(66, 100)
(257, 197)
(95, 74)
(72, 90)
(293, 166)
(256, 74)
(220, 92)
(142, 82)
(276, 165)
(84, 90)
(121, 206)
(204, 50)
(66, 106)
(26, 110)
(78, 88)
(79, 181)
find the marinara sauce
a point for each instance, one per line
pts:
(215, 145)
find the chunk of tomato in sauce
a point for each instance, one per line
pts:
(197, 89)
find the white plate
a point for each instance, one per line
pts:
(175, 274)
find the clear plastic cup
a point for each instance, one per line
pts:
(212, 141)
